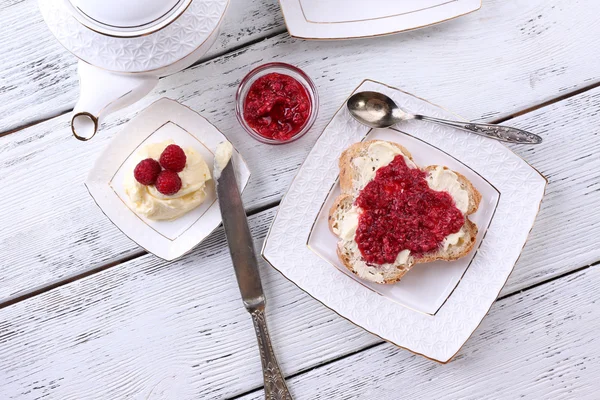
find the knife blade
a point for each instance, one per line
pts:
(241, 248)
(239, 239)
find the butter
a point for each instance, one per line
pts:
(149, 202)
(223, 154)
(452, 239)
(348, 224)
(444, 180)
(376, 273)
(379, 154)
(402, 258)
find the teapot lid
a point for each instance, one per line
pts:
(158, 36)
(127, 18)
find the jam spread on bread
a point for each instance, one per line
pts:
(401, 212)
(277, 106)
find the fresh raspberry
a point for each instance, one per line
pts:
(168, 183)
(173, 158)
(147, 171)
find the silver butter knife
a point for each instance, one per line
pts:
(246, 267)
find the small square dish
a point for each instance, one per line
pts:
(347, 19)
(437, 306)
(163, 120)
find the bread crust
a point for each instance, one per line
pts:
(345, 200)
(389, 277)
(338, 204)
(356, 150)
(474, 195)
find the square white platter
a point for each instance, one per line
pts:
(347, 19)
(162, 120)
(437, 306)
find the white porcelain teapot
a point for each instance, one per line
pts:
(124, 46)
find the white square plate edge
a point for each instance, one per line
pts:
(437, 337)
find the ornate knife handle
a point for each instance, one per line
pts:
(275, 387)
(498, 132)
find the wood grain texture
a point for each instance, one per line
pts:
(58, 230)
(114, 327)
(540, 344)
(112, 336)
(146, 329)
(565, 233)
(39, 76)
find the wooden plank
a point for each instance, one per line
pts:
(565, 233)
(113, 336)
(146, 329)
(39, 76)
(540, 344)
(306, 333)
(67, 233)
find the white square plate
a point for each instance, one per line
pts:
(162, 120)
(346, 19)
(436, 307)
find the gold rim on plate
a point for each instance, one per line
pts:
(262, 252)
(294, 35)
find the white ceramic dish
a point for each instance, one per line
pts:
(347, 19)
(436, 307)
(162, 120)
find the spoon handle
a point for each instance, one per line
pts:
(498, 132)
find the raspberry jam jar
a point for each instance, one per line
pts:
(276, 103)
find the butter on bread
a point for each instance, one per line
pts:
(358, 165)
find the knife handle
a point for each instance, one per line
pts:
(275, 387)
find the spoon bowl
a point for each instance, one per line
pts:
(374, 109)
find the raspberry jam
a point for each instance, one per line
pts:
(277, 106)
(401, 212)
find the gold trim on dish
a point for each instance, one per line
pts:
(109, 183)
(371, 19)
(340, 315)
(375, 35)
(262, 252)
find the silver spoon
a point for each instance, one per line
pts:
(379, 111)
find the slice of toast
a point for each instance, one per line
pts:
(353, 179)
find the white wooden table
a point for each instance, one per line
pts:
(87, 314)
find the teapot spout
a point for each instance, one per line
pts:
(102, 92)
